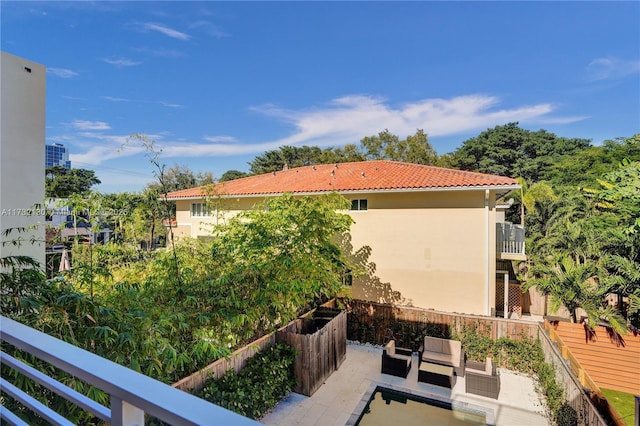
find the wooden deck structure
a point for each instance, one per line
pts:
(612, 362)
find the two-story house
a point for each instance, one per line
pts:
(432, 234)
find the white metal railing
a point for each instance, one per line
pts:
(132, 394)
(509, 238)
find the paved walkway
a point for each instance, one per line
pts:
(337, 399)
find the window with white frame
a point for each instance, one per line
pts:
(359, 205)
(200, 210)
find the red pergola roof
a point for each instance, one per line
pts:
(380, 175)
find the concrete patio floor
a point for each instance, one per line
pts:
(340, 398)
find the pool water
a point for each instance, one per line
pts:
(389, 407)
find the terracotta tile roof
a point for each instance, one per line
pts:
(377, 175)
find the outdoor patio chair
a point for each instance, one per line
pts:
(441, 351)
(482, 379)
(396, 361)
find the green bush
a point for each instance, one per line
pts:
(524, 355)
(260, 385)
(567, 416)
(553, 393)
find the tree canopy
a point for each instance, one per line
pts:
(286, 156)
(387, 146)
(180, 177)
(61, 182)
(383, 146)
(231, 175)
(512, 151)
(583, 241)
(584, 167)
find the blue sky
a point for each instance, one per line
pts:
(216, 83)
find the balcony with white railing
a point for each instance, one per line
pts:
(510, 241)
(132, 394)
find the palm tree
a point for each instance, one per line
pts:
(575, 285)
(623, 279)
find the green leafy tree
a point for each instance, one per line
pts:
(118, 211)
(512, 151)
(146, 217)
(181, 177)
(379, 147)
(279, 257)
(573, 228)
(383, 146)
(232, 174)
(387, 146)
(538, 200)
(619, 198)
(347, 154)
(61, 182)
(584, 167)
(286, 156)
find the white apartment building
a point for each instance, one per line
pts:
(22, 148)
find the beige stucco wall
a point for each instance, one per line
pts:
(202, 226)
(22, 141)
(427, 249)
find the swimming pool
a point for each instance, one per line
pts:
(394, 407)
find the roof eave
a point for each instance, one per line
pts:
(500, 190)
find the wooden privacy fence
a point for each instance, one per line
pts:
(236, 361)
(377, 323)
(321, 344)
(333, 343)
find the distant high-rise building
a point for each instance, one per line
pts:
(57, 155)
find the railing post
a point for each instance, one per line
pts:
(581, 377)
(125, 414)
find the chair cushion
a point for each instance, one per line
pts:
(432, 344)
(489, 370)
(439, 358)
(405, 358)
(473, 371)
(390, 348)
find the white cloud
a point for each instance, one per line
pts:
(100, 147)
(170, 32)
(141, 101)
(114, 99)
(159, 52)
(170, 105)
(62, 72)
(611, 68)
(90, 125)
(209, 29)
(95, 155)
(121, 62)
(220, 138)
(348, 119)
(343, 120)
(37, 12)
